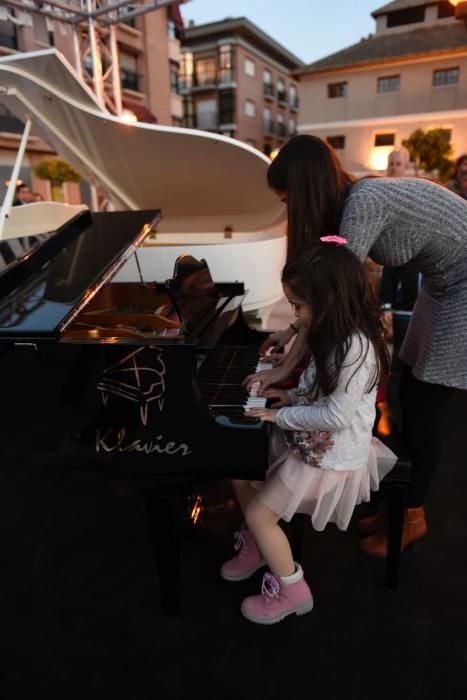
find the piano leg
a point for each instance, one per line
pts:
(164, 526)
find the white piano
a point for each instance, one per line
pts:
(211, 189)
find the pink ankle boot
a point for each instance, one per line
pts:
(278, 599)
(246, 562)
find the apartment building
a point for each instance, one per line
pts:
(412, 72)
(149, 56)
(236, 80)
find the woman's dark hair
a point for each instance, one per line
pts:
(309, 171)
(459, 162)
(333, 282)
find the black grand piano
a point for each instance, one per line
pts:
(141, 381)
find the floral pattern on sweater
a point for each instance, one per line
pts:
(309, 447)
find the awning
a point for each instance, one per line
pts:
(143, 113)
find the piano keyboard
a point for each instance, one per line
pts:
(220, 381)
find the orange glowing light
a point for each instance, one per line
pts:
(384, 423)
(196, 510)
(128, 117)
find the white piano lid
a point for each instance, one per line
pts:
(38, 217)
(200, 181)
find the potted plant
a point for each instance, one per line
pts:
(57, 172)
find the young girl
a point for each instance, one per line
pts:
(323, 456)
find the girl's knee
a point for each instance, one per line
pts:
(257, 515)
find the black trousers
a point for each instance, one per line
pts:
(434, 424)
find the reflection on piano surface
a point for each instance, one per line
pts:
(140, 380)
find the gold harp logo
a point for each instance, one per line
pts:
(140, 383)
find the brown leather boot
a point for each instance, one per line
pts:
(374, 523)
(414, 528)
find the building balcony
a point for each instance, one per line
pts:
(191, 83)
(268, 91)
(281, 130)
(293, 104)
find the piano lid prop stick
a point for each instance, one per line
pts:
(139, 268)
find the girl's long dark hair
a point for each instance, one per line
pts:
(309, 171)
(333, 283)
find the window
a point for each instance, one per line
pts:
(267, 149)
(227, 107)
(267, 120)
(9, 123)
(390, 83)
(226, 64)
(338, 89)
(185, 76)
(268, 87)
(447, 76)
(410, 15)
(445, 9)
(292, 127)
(8, 36)
(280, 126)
(128, 21)
(129, 71)
(249, 67)
(385, 139)
(174, 77)
(188, 112)
(336, 142)
(173, 26)
(206, 114)
(293, 97)
(171, 29)
(250, 108)
(205, 71)
(281, 94)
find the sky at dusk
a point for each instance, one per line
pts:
(310, 29)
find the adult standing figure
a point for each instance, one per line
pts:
(394, 221)
(458, 183)
(398, 162)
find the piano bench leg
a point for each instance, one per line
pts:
(396, 497)
(297, 533)
(164, 526)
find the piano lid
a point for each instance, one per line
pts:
(200, 181)
(42, 294)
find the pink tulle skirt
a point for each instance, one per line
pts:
(327, 495)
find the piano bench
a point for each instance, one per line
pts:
(393, 489)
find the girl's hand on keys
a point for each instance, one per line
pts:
(281, 395)
(267, 378)
(266, 414)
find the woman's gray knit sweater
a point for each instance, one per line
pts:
(397, 220)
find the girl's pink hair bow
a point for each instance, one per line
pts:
(338, 240)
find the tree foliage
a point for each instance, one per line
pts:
(431, 151)
(57, 171)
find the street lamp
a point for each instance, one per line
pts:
(461, 9)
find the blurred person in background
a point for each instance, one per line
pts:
(24, 195)
(458, 183)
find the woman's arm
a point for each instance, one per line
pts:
(280, 374)
(364, 217)
(337, 410)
